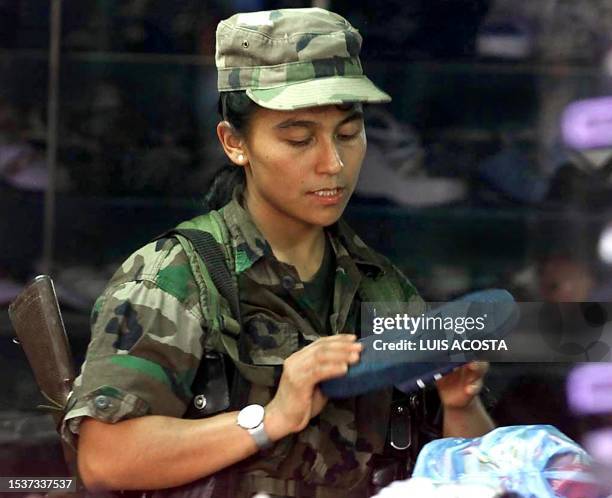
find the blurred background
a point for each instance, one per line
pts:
(492, 167)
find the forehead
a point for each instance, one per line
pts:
(316, 114)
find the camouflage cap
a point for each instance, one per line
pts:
(293, 58)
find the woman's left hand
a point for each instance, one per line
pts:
(459, 388)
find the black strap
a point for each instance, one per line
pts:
(212, 255)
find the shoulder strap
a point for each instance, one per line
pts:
(213, 257)
(208, 237)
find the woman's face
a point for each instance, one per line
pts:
(303, 165)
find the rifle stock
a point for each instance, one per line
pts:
(38, 323)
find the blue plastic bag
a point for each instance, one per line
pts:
(533, 460)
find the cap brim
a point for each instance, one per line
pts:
(320, 91)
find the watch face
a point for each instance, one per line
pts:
(251, 416)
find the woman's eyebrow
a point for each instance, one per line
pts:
(304, 123)
(289, 123)
(353, 116)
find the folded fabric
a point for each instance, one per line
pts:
(422, 487)
(410, 370)
(531, 460)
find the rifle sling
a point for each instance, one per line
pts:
(212, 255)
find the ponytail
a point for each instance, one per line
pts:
(222, 186)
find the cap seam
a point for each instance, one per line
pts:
(284, 64)
(283, 85)
(304, 81)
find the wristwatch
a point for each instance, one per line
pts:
(251, 418)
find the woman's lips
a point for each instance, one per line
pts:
(328, 196)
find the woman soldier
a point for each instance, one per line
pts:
(291, 93)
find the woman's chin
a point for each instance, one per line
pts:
(325, 219)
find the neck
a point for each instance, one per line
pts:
(292, 241)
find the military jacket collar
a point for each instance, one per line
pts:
(250, 245)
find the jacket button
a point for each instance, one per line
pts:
(102, 402)
(200, 401)
(288, 282)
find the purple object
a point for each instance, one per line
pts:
(599, 444)
(587, 124)
(589, 389)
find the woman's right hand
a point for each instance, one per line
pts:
(298, 397)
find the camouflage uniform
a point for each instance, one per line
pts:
(148, 333)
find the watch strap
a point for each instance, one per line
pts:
(260, 436)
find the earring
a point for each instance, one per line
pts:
(240, 158)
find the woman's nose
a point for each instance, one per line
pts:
(330, 161)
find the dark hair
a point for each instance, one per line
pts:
(237, 109)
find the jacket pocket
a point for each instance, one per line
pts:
(269, 341)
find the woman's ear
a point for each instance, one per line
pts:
(232, 143)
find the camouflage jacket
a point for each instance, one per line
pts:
(149, 333)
